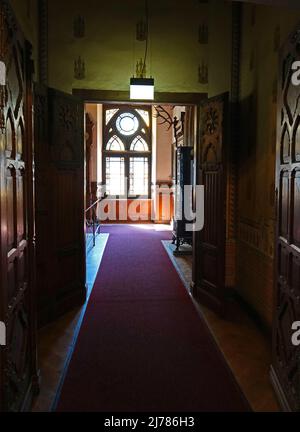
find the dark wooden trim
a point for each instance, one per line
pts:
(168, 183)
(115, 96)
(30, 197)
(43, 41)
(279, 391)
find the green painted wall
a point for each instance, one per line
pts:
(27, 16)
(110, 50)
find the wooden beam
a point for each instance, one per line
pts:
(113, 96)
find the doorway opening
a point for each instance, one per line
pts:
(132, 170)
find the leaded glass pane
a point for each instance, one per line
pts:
(139, 145)
(127, 124)
(115, 144)
(145, 116)
(115, 175)
(109, 115)
(138, 176)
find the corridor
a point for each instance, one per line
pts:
(150, 206)
(142, 345)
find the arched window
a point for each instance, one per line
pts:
(139, 145)
(115, 144)
(127, 150)
(127, 124)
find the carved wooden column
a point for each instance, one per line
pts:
(89, 143)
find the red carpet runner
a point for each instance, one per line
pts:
(142, 345)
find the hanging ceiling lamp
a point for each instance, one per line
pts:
(141, 87)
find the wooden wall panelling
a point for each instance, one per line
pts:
(18, 374)
(60, 203)
(210, 273)
(90, 125)
(44, 222)
(285, 370)
(219, 177)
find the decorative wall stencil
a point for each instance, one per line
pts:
(79, 27)
(211, 120)
(277, 38)
(203, 73)
(141, 31)
(203, 34)
(79, 69)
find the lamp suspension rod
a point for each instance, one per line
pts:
(147, 36)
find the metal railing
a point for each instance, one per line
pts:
(92, 224)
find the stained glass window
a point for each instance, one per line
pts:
(138, 176)
(109, 115)
(115, 144)
(115, 176)
(127, 124)
(127, 150)
(145, 116)
(139, 145)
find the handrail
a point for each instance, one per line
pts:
(93, 205)
(93, 222)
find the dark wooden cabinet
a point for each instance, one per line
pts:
(183, 177)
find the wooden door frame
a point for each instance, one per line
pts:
(119, 97)
(105, 97)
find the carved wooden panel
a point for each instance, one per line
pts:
(90, 125)
(17, 359)
(212, 166)
(60, 202)
(286, 357)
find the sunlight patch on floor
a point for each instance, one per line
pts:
(155, 227)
